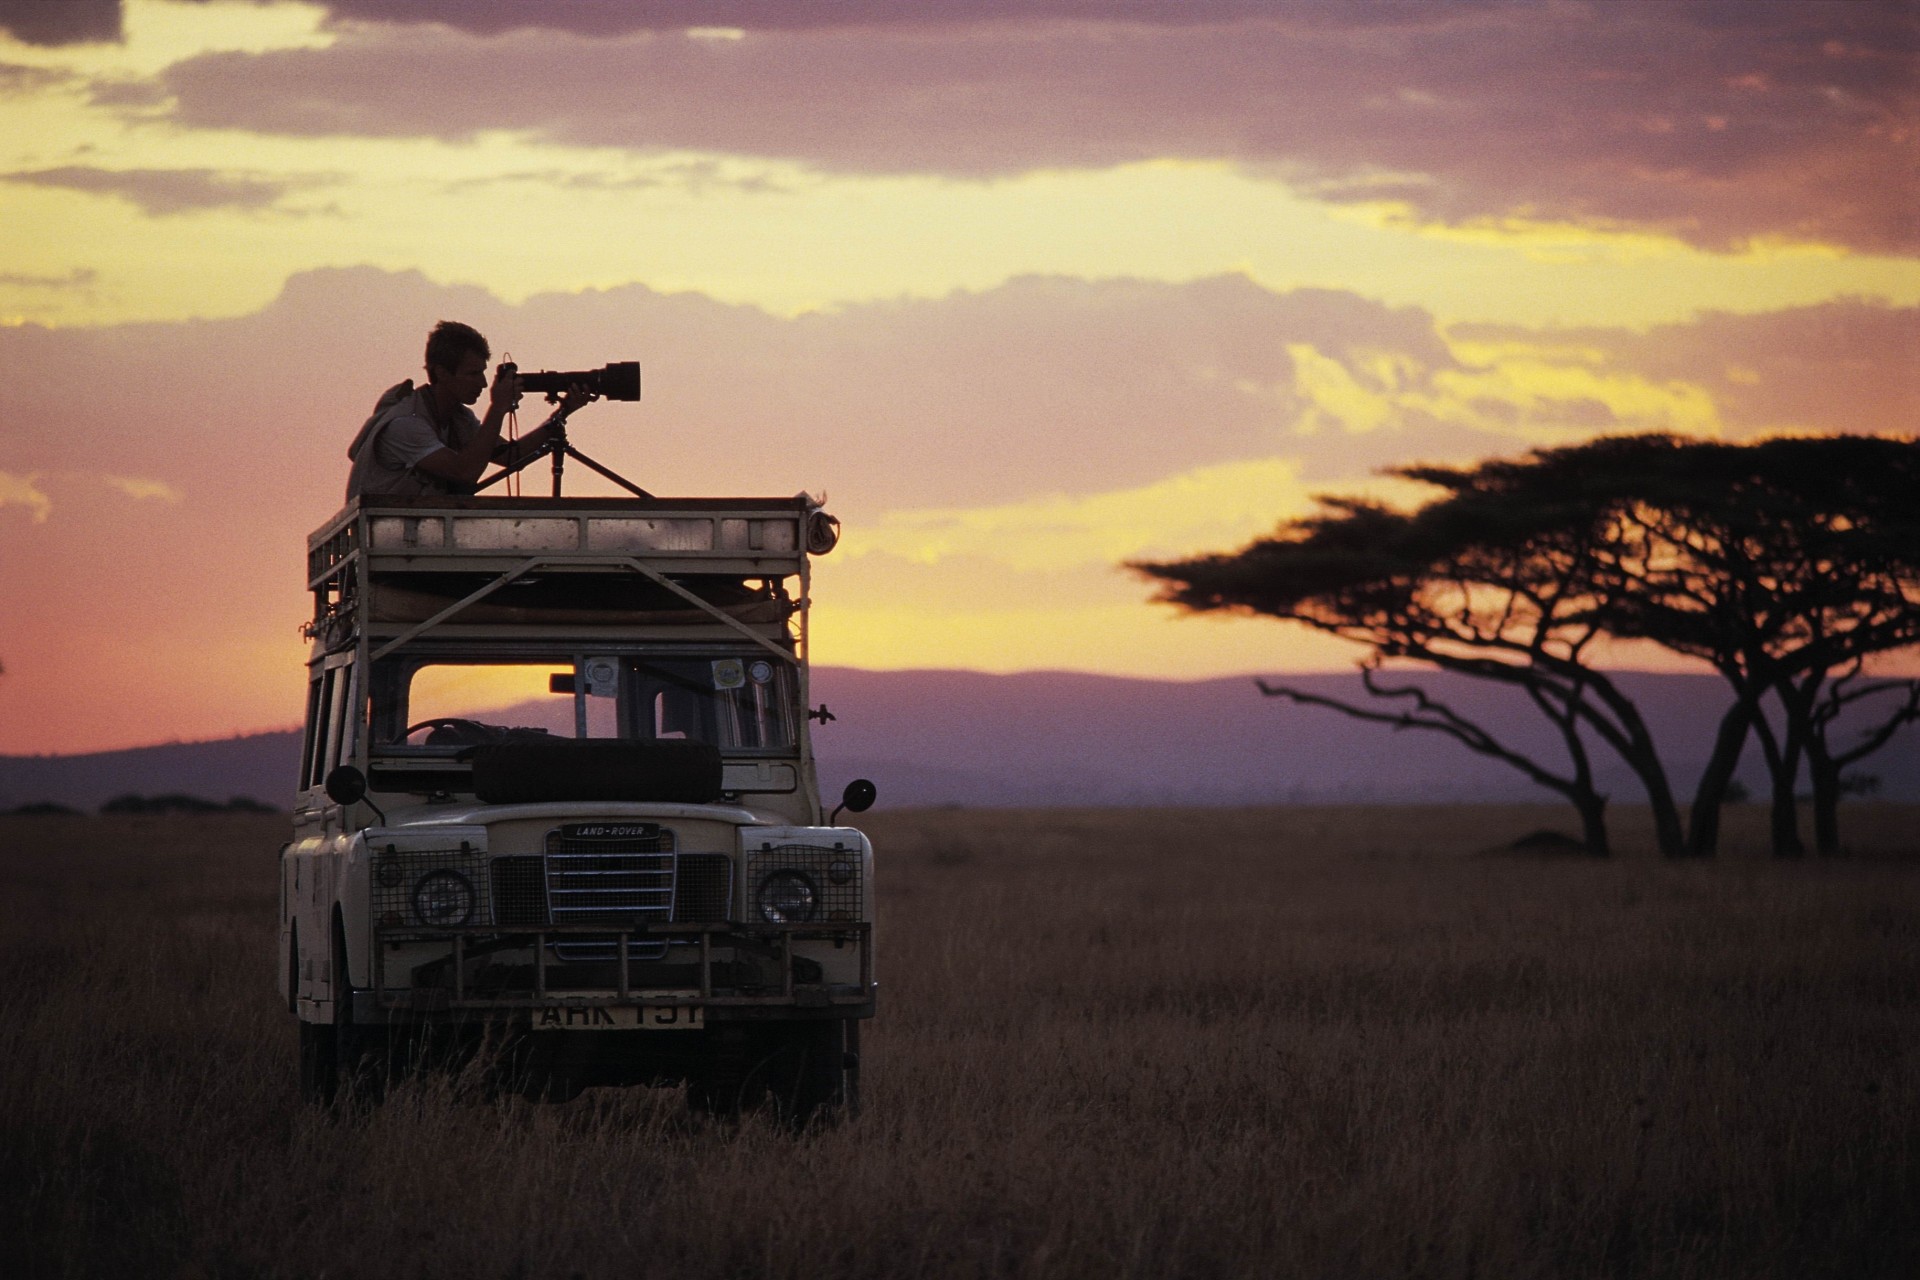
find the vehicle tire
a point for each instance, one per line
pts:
(807, 1072)
(319, 1064)
(349, 1061)
(850, 1106)
(721, 1090)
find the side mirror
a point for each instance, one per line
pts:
(346, 785)
(859, 797)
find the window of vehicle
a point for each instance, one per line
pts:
(739, 702)
(316, 731)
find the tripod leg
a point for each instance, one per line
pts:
(609, 473)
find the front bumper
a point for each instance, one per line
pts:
(732, 972)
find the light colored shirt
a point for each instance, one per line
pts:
(387, 453)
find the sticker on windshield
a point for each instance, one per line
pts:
(761, 671)
(729, 673)
(602, 677)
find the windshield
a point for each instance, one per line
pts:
(738, 702)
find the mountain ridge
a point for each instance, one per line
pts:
(930, 737)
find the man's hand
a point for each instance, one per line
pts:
(577, 395)
(506, 392)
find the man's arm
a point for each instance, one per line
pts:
(464, 465)
(508, 452)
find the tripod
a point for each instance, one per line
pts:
(559, 448)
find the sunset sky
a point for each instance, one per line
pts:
(1027, 289)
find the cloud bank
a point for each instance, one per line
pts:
(993, 454)
(55, 22)
(1717, 123)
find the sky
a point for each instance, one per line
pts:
(1026, 288)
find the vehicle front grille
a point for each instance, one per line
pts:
(705, 888)
(628, 877)
(610, 874)
(520, 890)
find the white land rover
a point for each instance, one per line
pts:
(627, 876)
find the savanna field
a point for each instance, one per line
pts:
(1308, 1042)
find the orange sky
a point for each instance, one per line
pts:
(1027, 292)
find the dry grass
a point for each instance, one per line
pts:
(1305, 1042)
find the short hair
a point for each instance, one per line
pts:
(451, 342)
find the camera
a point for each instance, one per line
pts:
(620, 381)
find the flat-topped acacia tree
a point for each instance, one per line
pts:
(1786, 565)
(1778, 563)
(1481, 588)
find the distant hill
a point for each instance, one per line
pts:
(258, 767)
(952, 737)
(1054, 738)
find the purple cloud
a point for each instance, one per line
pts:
(78, 278)
(1043, 385)
(1714, 122)
(159, 191)
(620, 17)
(51, 22)
(17, 80)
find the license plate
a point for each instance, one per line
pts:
(651, 1017)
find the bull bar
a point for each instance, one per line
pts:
(763, 939)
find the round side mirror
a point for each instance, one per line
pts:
(859, 795)
(346, 785)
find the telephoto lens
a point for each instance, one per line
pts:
(619, 381)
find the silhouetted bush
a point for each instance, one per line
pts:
(43, 809)
(179, 802)
(247, 804)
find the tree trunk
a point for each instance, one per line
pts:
(1593, 823)
(1703, 823)
(1824, 774)
(1666, 825)
(1783, 766)
(1635, 744)
(1667, 830)
(1786, 820)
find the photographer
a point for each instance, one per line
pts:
(428, 441)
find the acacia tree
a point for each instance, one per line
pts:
(1827, 765)
(1494, 590)
(1778, 563)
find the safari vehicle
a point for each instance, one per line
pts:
(625, 878)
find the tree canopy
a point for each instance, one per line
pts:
(1785, 565)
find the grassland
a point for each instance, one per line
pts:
(1300, 1042)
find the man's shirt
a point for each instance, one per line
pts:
(387, 453)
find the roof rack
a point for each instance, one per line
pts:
(371, 564)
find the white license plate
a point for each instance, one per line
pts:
(653, 1017)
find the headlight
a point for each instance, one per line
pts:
(788, 897)
(443, 898)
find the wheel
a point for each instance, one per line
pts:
(319, 1064)
(342, 1060)
(722, 1089)
(319, 1043)
(812, 1072)
(850, 1108)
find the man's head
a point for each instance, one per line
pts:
(457, 360)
